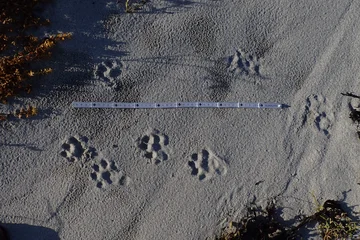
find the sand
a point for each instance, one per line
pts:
(84, 173)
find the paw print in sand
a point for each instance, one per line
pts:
(106, 173)
(108, 72)
(206, 165)
(319, 113)
(75, 149)
(244, 64)
(154, 146)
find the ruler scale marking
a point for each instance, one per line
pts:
(166, 105)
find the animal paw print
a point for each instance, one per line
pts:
(75, 149)
(205, 165)
(319, 113)
(108, 72)
(106, 173)
(244, 64)
(154, 146)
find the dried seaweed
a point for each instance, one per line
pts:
(333, 223)
(133, 7)
(18, 48)
(354, 113)
(20, 113)
(258, 224)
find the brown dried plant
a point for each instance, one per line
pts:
(25, 112)
(133, 7)
(18, 48)
(333, 223)
(20, 113)
(3, 116)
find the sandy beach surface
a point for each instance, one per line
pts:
(183, 173)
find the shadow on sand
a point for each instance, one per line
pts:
(26, 231)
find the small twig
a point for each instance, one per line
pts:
(349, 94)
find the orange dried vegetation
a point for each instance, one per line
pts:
(25, 112)
(18, 48)
(20, 113)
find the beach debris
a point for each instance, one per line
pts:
(132, 7)
(19, 48)
(259, 223)
(26, 112)
(3, 116)
(259, 182)
(354, 113)
(355, 117)
(349, 94)
(20, 113)
(334, 222)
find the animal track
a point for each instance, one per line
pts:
(75, 149)
(244, 64)
(205, 165)
(108, 72)
(154, 146)
(106, 173)
(319, 113)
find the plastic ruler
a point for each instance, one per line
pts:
(142, 105)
